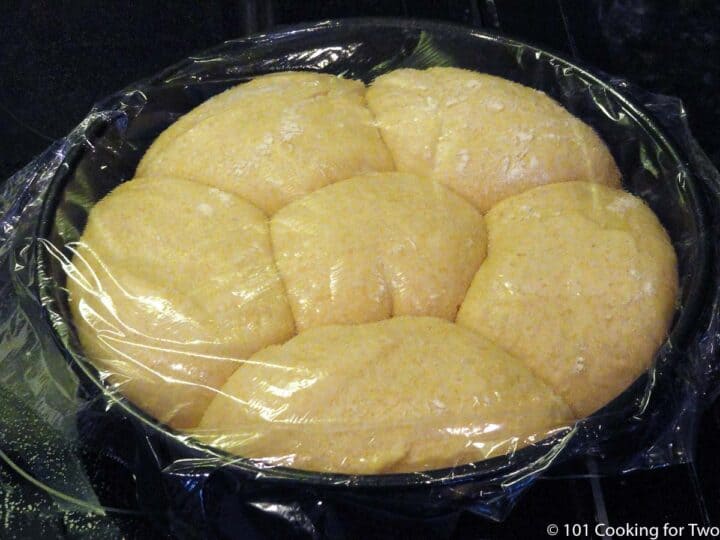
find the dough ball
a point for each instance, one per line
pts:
(377, 246)
(171, 284)
(485, 137)
(405, 394)
(273, 139)
(580, 283)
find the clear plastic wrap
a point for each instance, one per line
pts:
(379, 254)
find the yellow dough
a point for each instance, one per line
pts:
(580, 283)
(406, 394)
(426, 273)
(171, 284)
(377, 246)
(485, 137)
(273, 139)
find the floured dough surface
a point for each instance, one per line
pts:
(580, 283)
(429, 272)
(171, 285)
(377, 246)
(273, 139)
(485, 137)
(405, 394)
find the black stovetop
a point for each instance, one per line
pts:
(57, 58)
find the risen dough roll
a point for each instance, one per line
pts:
(406, 394)
(273, 139)
(485, 137)
(171, 284)
(580, 283)
(377, 246)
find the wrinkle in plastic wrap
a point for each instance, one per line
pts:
(55, 405)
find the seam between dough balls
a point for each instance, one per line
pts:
(265, 155)
(463, 113)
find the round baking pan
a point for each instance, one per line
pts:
(652, 168)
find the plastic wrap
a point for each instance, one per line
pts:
(356, 266)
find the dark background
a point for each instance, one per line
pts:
(58, 57)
